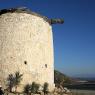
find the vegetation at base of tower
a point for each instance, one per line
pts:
(34, 87)
(45, 88)
(31, 88)
(14, 80)
(61, 79)
(18, 78)
(10, 80)
(27, 89)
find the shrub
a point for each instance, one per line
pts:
(14, 80)
(17, 78)
(45, 88)
(11, 81)
(34, 87)
(27, 88)
(31, 88)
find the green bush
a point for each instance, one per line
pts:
(27, 88)
(45, 88)
(31, 88)
(14, 80)
(34, 87)
(11, 82)
(18, 78)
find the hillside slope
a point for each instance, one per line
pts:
(60, 78)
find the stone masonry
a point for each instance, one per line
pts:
(26, 45)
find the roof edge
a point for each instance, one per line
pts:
(28, 11)
(22, 10)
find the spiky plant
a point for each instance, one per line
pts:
(45, 88)
(18, 78)
(11, 81)
(34, 87)
(27, 89)
(31, 88)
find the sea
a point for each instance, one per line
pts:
(82, 92)
(82, 89)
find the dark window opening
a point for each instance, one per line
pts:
(46, 65)
(25, 62)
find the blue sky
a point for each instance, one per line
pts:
(74, 41)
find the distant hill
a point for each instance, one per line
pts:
(60, 78)
(86, 78)
(73, 83)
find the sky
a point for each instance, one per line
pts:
(74, 41)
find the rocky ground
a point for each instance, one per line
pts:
(57, 91)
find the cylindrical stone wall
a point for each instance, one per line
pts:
(26, 45)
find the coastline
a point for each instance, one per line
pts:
(82, 92)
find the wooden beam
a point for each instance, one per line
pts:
(56, 21)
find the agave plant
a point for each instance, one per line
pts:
(14, 80)
(18, 78)
(34, 87)
(27, 89)
(31, 88)
(11, 81)
(45, 88)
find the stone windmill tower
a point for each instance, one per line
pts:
(26, 45)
